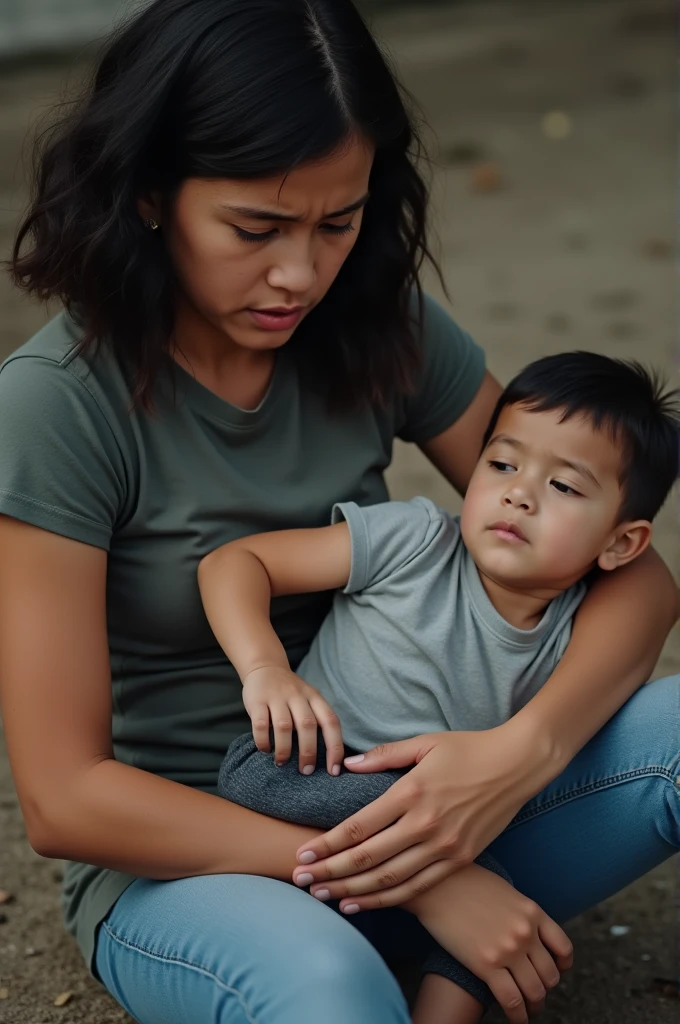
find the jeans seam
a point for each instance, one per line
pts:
(591, 787)
(164, 958)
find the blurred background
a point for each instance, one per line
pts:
(552, 137)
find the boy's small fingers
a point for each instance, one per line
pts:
(509, 996)
(282, 724)
(332, 734)
(307, 728)
(260, 721)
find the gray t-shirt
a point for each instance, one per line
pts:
(413, 644)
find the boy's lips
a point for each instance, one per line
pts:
(508, 531)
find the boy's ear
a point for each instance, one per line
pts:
(629, 541)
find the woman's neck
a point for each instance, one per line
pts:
(239, 375)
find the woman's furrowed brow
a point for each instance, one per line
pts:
(258, 213)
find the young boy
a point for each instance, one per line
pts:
(442, 623)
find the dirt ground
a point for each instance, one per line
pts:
(554, 186)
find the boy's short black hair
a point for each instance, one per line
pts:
(631, 403)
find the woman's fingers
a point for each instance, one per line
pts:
(332, 733)
(345, 838)
(372, 853)
(508, 995)
(417, 884)
(388, 874)
(259, 716)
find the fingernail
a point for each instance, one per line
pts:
(351, 908)
(308, 769)
(354, 760)
(307, 857)
(304, 879)
(321, 894)
(335, 770)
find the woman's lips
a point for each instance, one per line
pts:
(277, 319)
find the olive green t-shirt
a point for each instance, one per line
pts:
(160, 490)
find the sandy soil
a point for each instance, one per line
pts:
(553, 243)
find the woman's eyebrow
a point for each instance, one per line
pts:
(257, 213)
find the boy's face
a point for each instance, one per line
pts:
(543, 503)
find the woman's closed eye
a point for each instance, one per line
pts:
(264, 236)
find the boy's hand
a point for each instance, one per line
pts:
(275, 696)
(500, 935)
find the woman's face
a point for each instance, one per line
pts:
(254, 256)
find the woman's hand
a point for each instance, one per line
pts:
(277, 697)
(500, 935)
(465, 789)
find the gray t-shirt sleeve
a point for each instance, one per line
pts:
(390, 536)
(452, 372)
(60, 466)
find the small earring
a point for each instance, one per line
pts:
(151, 224)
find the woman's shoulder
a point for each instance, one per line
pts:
(54, 354)
(50, 373)
(451, 373)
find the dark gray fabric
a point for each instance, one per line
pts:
(250, 778)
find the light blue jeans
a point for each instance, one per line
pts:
(238, 949)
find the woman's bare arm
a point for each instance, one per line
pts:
(55, 692)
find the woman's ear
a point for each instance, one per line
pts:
(149, 207)
(629, 541)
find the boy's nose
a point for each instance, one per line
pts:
(519, 499)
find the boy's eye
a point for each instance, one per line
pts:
(564, 488)
(502, 467)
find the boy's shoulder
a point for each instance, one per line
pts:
(397, 537)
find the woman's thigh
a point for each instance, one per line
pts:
(610, 817)
(240, 949)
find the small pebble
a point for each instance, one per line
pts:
(556, 125)
(63, 999)
(646, 957)
(4, 993)
(486, 178)
(31, 951)
(619, 929)
(5, 897)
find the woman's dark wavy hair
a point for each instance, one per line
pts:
(230, 89)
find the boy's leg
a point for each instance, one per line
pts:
(439, 1001)
(252, 779)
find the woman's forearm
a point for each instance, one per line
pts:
(123, 818)
(617, 637)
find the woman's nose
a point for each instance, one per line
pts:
(294, 271)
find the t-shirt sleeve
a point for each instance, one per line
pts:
(60, 466)
(389, 536)
(452, 372)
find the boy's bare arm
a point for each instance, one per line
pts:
(238, 581)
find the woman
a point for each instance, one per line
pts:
(234, 220)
